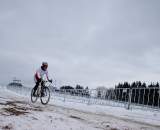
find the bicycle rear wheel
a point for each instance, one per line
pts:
(45, 97)
(33, 98)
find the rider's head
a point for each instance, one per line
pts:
(44, 66)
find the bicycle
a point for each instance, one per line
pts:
(42, 92)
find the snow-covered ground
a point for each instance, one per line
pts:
(18, 113)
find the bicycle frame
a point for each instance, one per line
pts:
(42, 92)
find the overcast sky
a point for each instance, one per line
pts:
(87, 42)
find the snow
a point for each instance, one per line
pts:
(149, 117)
(18, 113)
(38, 117)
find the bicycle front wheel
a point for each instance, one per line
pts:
(45, 97)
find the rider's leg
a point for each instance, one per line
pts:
(42, 85)
(36, 86)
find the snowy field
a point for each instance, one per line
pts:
(18, 113)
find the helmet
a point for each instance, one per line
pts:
(45, 64)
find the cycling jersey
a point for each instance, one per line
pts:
(40, 74)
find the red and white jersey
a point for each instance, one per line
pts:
(40, 74)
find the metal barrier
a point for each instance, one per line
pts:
(148, 98)
(123, 97)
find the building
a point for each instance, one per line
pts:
(15, 83)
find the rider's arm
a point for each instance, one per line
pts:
(47, 76)
(38, 76)
(50, 80)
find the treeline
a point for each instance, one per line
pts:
(140, 93)
(78, 90)
(137, 84)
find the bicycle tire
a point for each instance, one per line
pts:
(46, 97)
(33, 98)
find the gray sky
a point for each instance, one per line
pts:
(87, 42)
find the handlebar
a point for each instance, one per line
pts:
(45, 81)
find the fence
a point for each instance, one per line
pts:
(123, 97)
(148, 98)
(144, 97)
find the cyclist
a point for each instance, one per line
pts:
(40, 74)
